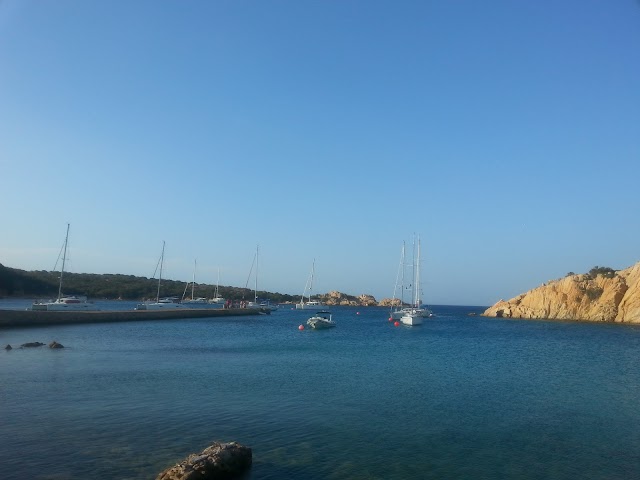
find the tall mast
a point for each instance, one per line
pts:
(193, 282)
(160, 277)
(64, 259)
(413, 290)
(417, 298)
(255, 290)
(313, 268)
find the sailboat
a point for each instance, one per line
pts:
(65, 302)
(217, 299)
(168, 303)
(414, 315)
(263, 306)
(193, 301)
(309, 287)
(397, 310)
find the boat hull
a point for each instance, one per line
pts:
(62, 307)
(309, 305)
(320, 323)
(411, 320)
(422, 312)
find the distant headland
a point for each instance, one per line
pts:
(44, 284)
(602, 295)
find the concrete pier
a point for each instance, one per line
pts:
(28, 318)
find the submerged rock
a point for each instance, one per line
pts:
(31, 344)
(220, 460)
(55, 344)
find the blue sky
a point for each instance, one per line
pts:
(505, 133)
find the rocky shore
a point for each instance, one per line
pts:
(599, 298)
(218, 461)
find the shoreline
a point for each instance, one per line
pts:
(30, 318)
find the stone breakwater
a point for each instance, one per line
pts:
(579, 297)
(28, 318)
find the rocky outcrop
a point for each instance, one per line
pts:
(599, 298)
(220, 460)
(55, 344)
(337, 298)
(31, 345)
(390, 302)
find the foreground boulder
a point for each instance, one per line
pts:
(220, 460)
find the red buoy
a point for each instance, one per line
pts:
(390, 319)
(300, 327)
(396, 324)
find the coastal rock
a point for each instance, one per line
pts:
(338, 298)
(367, 300)
(220, 460)
(55, 344)
(31, 345)
(390, 302)
(614, 298)
(8, 347)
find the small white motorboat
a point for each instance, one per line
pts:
(321, 320)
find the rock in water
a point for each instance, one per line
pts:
(220, 460)
(55, 344)
(31, 344)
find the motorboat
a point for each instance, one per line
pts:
(321, 320)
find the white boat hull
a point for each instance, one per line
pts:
(309, 305)
(411, 320)
(421, 312)
(321, 320)
(64, 306)
(320, 323)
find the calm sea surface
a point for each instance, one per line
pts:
(460, 397)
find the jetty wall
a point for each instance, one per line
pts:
(28, 318)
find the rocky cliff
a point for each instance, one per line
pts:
(599, 298)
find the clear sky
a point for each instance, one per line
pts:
(505, 133)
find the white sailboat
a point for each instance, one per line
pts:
(397, 311)
(168, 303)
(217, 299)
(415, 314)
(263, 306)
(315, 304)
(64, 302)
(193, 301)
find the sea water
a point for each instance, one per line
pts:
(459, 397)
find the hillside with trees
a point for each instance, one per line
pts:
(41, 283)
